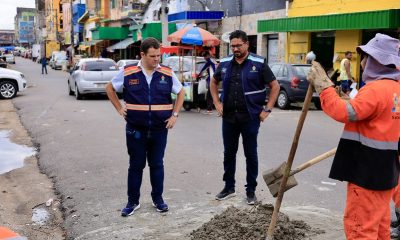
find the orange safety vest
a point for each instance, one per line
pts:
(368, 151)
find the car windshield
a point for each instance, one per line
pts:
(61, 57)
(99, 66)
(301, 71)
(131, 62)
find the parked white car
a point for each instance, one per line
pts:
(90, 75)
(11, 82)
(9, 58)
(123, 62)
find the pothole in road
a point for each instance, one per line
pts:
(12, 155)
(40, 216)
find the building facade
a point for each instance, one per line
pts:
(330, 28)
(25, 26)
(7, 37)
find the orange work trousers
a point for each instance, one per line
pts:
(367, 213)
(396, 196)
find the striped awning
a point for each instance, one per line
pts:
(122, 44)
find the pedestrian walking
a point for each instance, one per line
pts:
(368, 153)
(244, 77)
(149, 114)
(209, 66)
(44, 64)
(345, 77)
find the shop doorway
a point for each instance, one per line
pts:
(252, 43)
(322, 44)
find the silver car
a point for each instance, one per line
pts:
(9, 58)
(90, 75)
(123, 62)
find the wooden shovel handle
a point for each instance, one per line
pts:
(304, 110)
(313, 161)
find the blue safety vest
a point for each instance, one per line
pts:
(252, 82)
(148, 106)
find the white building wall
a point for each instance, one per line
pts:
(248, 23)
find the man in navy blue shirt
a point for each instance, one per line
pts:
(244, 77)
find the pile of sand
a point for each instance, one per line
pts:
(248, 224)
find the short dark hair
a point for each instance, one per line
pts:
(347, 53)
(149, 43)
(238, 34)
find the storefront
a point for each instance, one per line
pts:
(330, 36)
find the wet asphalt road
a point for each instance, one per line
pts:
(82, 148)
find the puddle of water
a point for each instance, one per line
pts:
(12, 155)
(40, 216)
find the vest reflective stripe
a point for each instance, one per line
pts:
(381, 145)
(144, 107)
(254, 92)
(256, 59)
(351, 113)
(227, 59)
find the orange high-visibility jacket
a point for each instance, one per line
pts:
(368, 150)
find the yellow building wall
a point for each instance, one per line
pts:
(348, 41)
(299, 8)
(299, 45)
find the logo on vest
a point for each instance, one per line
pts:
(253, 69)
(396, 107)
(162, 81)
(133, 81)
(223, 70)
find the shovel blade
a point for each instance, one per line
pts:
(274, 174)
(274, 187)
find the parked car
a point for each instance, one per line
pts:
(9, 58)
(11, 82)
(123, 62)
(188, 68)
(90, 75)
(54, 54)
(60, 59)
(292, 79)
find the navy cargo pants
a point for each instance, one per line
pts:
(231, 133)
(144, 145)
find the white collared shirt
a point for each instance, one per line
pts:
(118, 80)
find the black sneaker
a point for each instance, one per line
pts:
(129, 209)
(251, 198)
(225, 194)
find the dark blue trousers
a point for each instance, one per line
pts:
(230, 134)
(144, 145)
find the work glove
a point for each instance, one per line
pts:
(318, 78)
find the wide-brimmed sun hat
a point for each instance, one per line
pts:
(384, 49)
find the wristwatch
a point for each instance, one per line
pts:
(175, 114)
(267, 110)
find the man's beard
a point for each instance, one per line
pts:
(238, 54)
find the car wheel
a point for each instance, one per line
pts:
(317, 103)
(78, 95)
(8, 89)
(283, 100)
(70, 92)
(187, 106)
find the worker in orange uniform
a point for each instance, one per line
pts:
(367, 155)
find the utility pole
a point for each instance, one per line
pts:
(164, 22)
(72, 33)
